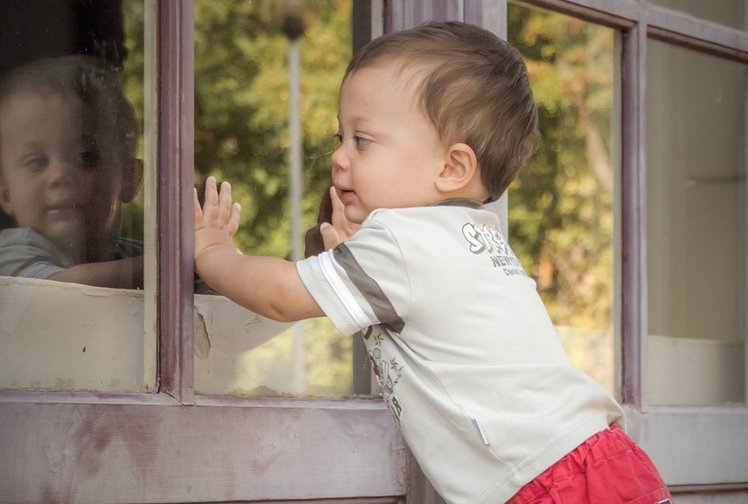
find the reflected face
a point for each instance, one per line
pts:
(56, 178)
(390, 153)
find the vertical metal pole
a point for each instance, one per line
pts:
(295, 183)
(296, 146)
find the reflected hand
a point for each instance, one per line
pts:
(217, 221)
(340, 228)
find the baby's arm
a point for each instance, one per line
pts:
(266, 285)
(123, 274)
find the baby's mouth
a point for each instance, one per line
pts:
(63, 208)
(345, 195)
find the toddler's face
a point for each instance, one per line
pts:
(56, 177)
(390, 152)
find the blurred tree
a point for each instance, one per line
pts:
(241, 109)
(560, 215)
(241, 135)
(560, 208)
(132, 77)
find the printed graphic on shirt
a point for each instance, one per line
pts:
(387, 370)
(488, 240)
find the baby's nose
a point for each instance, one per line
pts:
(339, 159)
(62, 170)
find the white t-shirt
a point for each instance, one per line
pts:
(463, 348)
(26, 253)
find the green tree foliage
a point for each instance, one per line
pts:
(133, 85)
(561, 221)
(560, 215)
(241, 135)
(241, 108)
(241, 105)
(560, 208)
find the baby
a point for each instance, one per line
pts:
(68, 138)
(434, 122)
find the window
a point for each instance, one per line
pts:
(164, 442)
(248, 140)
(696, 227)
(71, 124)
(728, 12)
(562, 208)
(180, 423)
(679, 206)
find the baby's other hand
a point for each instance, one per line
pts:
(340, 228)
(217, 221)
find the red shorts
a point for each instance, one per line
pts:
(608, 468)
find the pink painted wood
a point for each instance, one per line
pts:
(115, 453)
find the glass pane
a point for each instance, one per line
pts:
(243, 75)
(696, 227)
(71, 239)
(728, 12)
(561, 208)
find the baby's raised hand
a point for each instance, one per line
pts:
(339, 228)
(217, 221)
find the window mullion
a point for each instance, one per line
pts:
(175, 182)
(633, 275)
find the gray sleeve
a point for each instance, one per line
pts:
(25, 253)
(362, 282)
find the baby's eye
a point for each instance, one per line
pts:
(360, 141)
(89, 158)
(35, 163)
(339, 137)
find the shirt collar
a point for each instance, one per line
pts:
(463, 202)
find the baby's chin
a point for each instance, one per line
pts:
(356, 215)
(70, 236)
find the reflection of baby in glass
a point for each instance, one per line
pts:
(67, 162)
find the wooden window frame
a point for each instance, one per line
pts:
(698, 448)
(712, 458)
(175, 446)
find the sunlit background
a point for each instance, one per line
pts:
(561, 209)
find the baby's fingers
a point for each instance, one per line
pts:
(339, 221)
(210, 206)
(225, 204)
(233, 223)
(197, 211)
(336, 203)
(338, 218)
(330, 236)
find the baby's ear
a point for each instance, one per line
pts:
(459, 170)
(132, 178)
(5, 201)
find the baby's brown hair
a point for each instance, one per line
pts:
(473, 86)
(92, 83)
